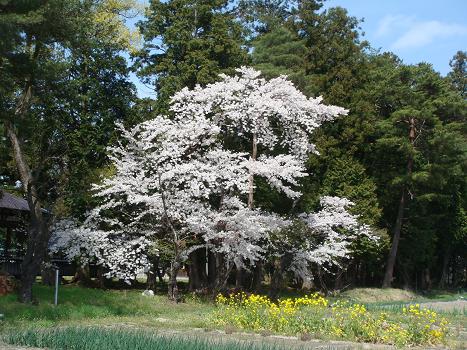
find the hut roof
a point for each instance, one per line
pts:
(9, 201)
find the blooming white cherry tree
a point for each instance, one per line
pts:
(268, 114)
(168, 173)
(119, 251)
(172, 168)
(330, 234)
(189, 178)
(271, 116)
(321, 239)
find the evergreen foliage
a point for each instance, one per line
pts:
(188, 42)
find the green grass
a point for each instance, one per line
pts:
(79, 305)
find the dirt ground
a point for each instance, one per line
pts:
(4, 346)
(458, 305)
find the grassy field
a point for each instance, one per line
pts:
(123, 311)
(79, 305)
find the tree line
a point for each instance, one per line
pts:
(399, 154)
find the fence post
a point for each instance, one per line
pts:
(56, 288)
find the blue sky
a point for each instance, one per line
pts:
(415, 30)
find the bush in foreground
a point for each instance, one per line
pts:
(314, 314)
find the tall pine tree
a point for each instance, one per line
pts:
(188, 42)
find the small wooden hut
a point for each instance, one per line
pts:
(14, 213)
(14, 217)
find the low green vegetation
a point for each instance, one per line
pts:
(78, 305)
(127, 310)
(84, 338)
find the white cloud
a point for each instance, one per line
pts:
(393, 22)
(412, 33)
(424, 33)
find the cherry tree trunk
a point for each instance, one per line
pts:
(82, 275)
(173, 292)
(339, 279)
(197, 270)
(257, 276)
(251, 180)
(223, 270)
(152, 274)
(277, 280)
(239, 276)
(102, 281)
(151, 280)
(212, 270)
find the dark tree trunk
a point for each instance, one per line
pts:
(47, 273)
(445, 269)
(223, 270)
(405, 277)
(257, 277)
(38, 237)
(427, 283)
(151, 281)
(322, 283)
(388, 276)
(197, 270)
(220, 273)
(239, 274)
(277, 280)
(82, 276)
(35, 253)
(338, 282)
(102, 281)
(173, 293)
(212, 270)
(160, 273)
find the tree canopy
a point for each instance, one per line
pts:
(249, 163)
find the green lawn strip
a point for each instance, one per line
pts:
(78, 304)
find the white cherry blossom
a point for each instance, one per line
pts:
(183, 178)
